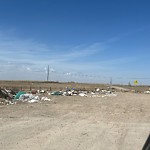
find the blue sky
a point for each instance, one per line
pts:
(81, 40)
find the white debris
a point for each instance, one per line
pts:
(70, 93)
(104, 91)
(146, 92)
(26, 97)
(29, 98)
(33, 101)
(45, 99)
(109, 95)
(82, 94)
(42, 91)
(92, 93)
(64, 93)
(97, 90)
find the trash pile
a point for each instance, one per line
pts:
(102, 93)
(96, 93)
(35, 96)
(30, 98)
(10, 97)
(67, 92)
(6, 96)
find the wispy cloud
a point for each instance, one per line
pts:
(27, 59)
(28, 52)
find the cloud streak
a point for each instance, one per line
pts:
(28, 52)
(27, 59)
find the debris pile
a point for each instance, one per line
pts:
(10, 97)
(29, 98)
(73, 92)
(6, 96)
(102, 93)
(34, 96)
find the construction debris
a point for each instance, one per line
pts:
(7, 94)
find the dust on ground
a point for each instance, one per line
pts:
(77, 123)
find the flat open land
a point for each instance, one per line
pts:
(119, 122)
(27, 85)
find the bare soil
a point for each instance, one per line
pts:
(77, 123)
(28, 85)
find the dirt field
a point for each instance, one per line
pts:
(28, 85)
(77, 123)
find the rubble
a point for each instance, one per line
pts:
(6, 102)
(33, 101)
(7, 94)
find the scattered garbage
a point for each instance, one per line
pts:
(82, 94)
(6, 102)
(109, 95)
(45, 99)
(7, 94)
(146, 92)
(34, 91)
(97, 90)
(28, 98)
(31, 98)
(10, 97)
(70, 93)
(34, 96)
(42, 91)
(19, 94)
(57, 93)
(33, 101)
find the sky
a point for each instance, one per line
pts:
(81, 40)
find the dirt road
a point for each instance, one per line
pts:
(77, 123)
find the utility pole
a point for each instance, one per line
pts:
(111, 84)
(48, 73)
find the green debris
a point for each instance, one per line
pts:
(57, 93)
(19, 94)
